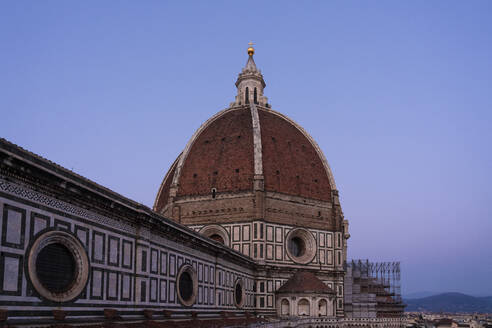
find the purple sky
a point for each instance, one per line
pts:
(398, 94)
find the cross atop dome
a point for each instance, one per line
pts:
(250, 83)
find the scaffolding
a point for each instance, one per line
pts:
(388, 274)
(373, 289)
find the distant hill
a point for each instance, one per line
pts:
(450, 302)
(420, 294)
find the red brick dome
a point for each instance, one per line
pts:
(242, 144)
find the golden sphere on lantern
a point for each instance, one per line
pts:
(251, 50)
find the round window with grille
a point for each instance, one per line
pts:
(58, 266)
(187, 285)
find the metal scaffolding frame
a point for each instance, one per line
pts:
(387, 274)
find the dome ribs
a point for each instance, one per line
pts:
(222, 148)
(256, 159)
(163, 195)
(291, 164)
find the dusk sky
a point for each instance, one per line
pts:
(398, 95)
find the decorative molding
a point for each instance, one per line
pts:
(257, 147)
(39, 198)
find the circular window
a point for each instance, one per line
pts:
(297, 246)
(301, 246)
(58, 266)
(238, 293)
(187, 285)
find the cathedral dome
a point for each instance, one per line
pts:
(237, 144)
(249, 162)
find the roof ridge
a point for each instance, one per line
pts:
(305, 282)
(66, 172)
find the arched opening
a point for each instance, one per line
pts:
(322, 308)
(246, 96)
(216, 233)
(256, 97)
(284, 307)
(303, 307)
(217, 238)
(331, 309)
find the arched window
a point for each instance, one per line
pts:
(256, 97)
(216, 233)
(303, 307)
(217, 238)
(246, 95)
(322, 308)
(284, 307)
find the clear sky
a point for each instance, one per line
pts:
(398, 94)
